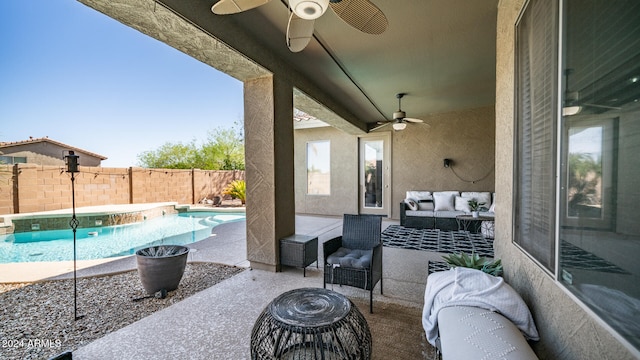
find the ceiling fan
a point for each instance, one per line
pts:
(573, 104)
(360, 14)
(400, 118)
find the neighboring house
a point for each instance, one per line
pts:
(44, 151)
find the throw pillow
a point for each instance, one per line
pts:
(462, 204)
(419, 195)
(481, 197)
(412, 204)
(443, 202)
(493, 204)
(425, 205)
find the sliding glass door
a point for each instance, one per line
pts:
(375, 175)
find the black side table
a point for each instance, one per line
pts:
(299, 251)
(311, 323)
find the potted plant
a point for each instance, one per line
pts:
(161, 267)
(474, 206)
(491, 267)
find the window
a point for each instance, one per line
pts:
(536, 59)
(319, 167)
(579, 219)
(10, 160)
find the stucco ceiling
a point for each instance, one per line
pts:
(440, 52)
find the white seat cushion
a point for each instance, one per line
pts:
(469, 332)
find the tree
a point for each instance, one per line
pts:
(223, 150)
(584, 175)
(169, 156)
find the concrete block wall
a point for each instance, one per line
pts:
(6, 189)
(26, 188)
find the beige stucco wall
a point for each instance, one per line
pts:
(567, 331)
(344, 173)
(417, 153)
(466, 137)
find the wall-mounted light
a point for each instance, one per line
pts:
(71, 160)
(447, 162)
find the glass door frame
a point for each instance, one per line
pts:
(385, 208)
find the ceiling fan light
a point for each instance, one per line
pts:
(399, 126)
(309, 9)
(571, 110)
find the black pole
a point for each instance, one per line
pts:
(74, 225)
(72, 167)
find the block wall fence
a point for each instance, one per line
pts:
(26, 188)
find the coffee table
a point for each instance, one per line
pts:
(471, 223)
(311, 323)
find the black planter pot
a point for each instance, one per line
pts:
(161, 267)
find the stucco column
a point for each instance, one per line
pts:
(268, 131)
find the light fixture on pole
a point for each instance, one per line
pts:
(71, 161)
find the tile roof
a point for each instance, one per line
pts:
(32, 140)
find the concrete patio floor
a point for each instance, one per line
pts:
(217, 322)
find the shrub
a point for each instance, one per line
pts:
(237, 189)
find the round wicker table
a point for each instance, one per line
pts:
(311, 323)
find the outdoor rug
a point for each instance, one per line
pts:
(577, 258)
(396, 331)
(436, 240)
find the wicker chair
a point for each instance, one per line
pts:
(355, 258)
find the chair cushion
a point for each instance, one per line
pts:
(354, 258)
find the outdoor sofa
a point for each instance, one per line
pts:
(438, 209)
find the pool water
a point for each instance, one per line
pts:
(111, 241)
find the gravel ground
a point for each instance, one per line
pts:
(37, 319)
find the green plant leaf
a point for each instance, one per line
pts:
(475, 262)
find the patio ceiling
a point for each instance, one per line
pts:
(440, 52)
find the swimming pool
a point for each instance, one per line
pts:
(111, 241)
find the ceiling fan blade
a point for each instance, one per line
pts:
(362, 15)
(299, 32)
(226, 7)
(413, 120)
(381, 126)
(604, 106)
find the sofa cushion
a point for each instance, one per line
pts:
(462, 204)
(448, 214)
(412, 204)
(443, 201)
(419, 195)
(492, 208)
(425, 205)
(353, 258)
(481, 197)
(427, 213)
(468, 331)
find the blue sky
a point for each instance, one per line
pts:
(79, 77)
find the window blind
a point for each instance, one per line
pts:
(536, 112)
